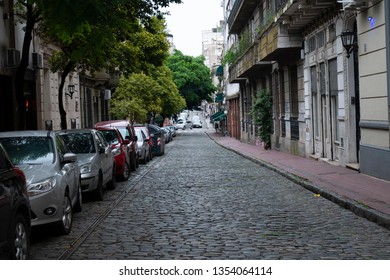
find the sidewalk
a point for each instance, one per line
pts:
(364, 195)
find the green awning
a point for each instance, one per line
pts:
(216, 115)
(220, 117)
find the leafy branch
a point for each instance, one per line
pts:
(262, 111)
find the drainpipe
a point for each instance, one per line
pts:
(387, 23)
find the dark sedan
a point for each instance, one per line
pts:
(158, 136)
(15, 217)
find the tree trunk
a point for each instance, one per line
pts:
(21, 70)
(65, 73)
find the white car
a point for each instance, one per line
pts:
(197, 124)
(181, 124)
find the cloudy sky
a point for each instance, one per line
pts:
(187, 20)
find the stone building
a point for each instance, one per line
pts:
(330, 101)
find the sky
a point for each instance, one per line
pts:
(187, 20)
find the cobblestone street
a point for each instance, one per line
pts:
(201, 201)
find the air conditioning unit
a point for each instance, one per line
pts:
(37, 60)
(107, 94)
(13, 58)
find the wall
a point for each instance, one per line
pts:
(374, 146)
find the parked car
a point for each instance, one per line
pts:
(167, 134)
(150, 140)
(127, 131)
(181, 124)
(95, 159)
(157, 135)
(119, 149)
(53, 177)
(15, 225)
(143, 145)
(173, 130)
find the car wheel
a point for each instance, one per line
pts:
(126, 172)
(79, 202)
(112, 183)
(20, 238)
(99, 189)
(133, 164)
(147, 157)
(65, 225)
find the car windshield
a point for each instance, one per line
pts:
(29, 149)
(80, 143)
(111, 136)
(139, 135)
(124, 132)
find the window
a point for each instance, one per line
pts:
(312, 43)
(313, 81)
(320, 39)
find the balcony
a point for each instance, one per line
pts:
(283, 40)
(248, 66)
(240, 11)
(277, 45)
(279, 37)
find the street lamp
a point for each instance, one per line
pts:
(348, 38)
(70, 91)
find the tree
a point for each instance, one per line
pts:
(262, 111)
(172, 101)
(192, 78)
(86, 31)
(139, 95)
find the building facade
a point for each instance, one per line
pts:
(328, 103)
(85, 105)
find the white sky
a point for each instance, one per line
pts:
(187, 20)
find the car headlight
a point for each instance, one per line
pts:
(86, 168)
(41, 187)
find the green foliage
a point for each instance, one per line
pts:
(262, 111)
(192, 78)
(140, 94)
(236, 51)
(268, 19)
(135, 96)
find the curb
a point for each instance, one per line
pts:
(355, 207)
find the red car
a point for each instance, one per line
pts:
(128, 133)
(119, 149)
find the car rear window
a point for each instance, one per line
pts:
(110, 136)
(29, 149)
(80, 143)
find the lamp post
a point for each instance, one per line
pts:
(70, 91)
(348, 38)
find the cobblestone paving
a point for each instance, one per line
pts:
(201, 201)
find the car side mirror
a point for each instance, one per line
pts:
(135, 138)
(69, 158)
(102, 150)
(126, 141)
